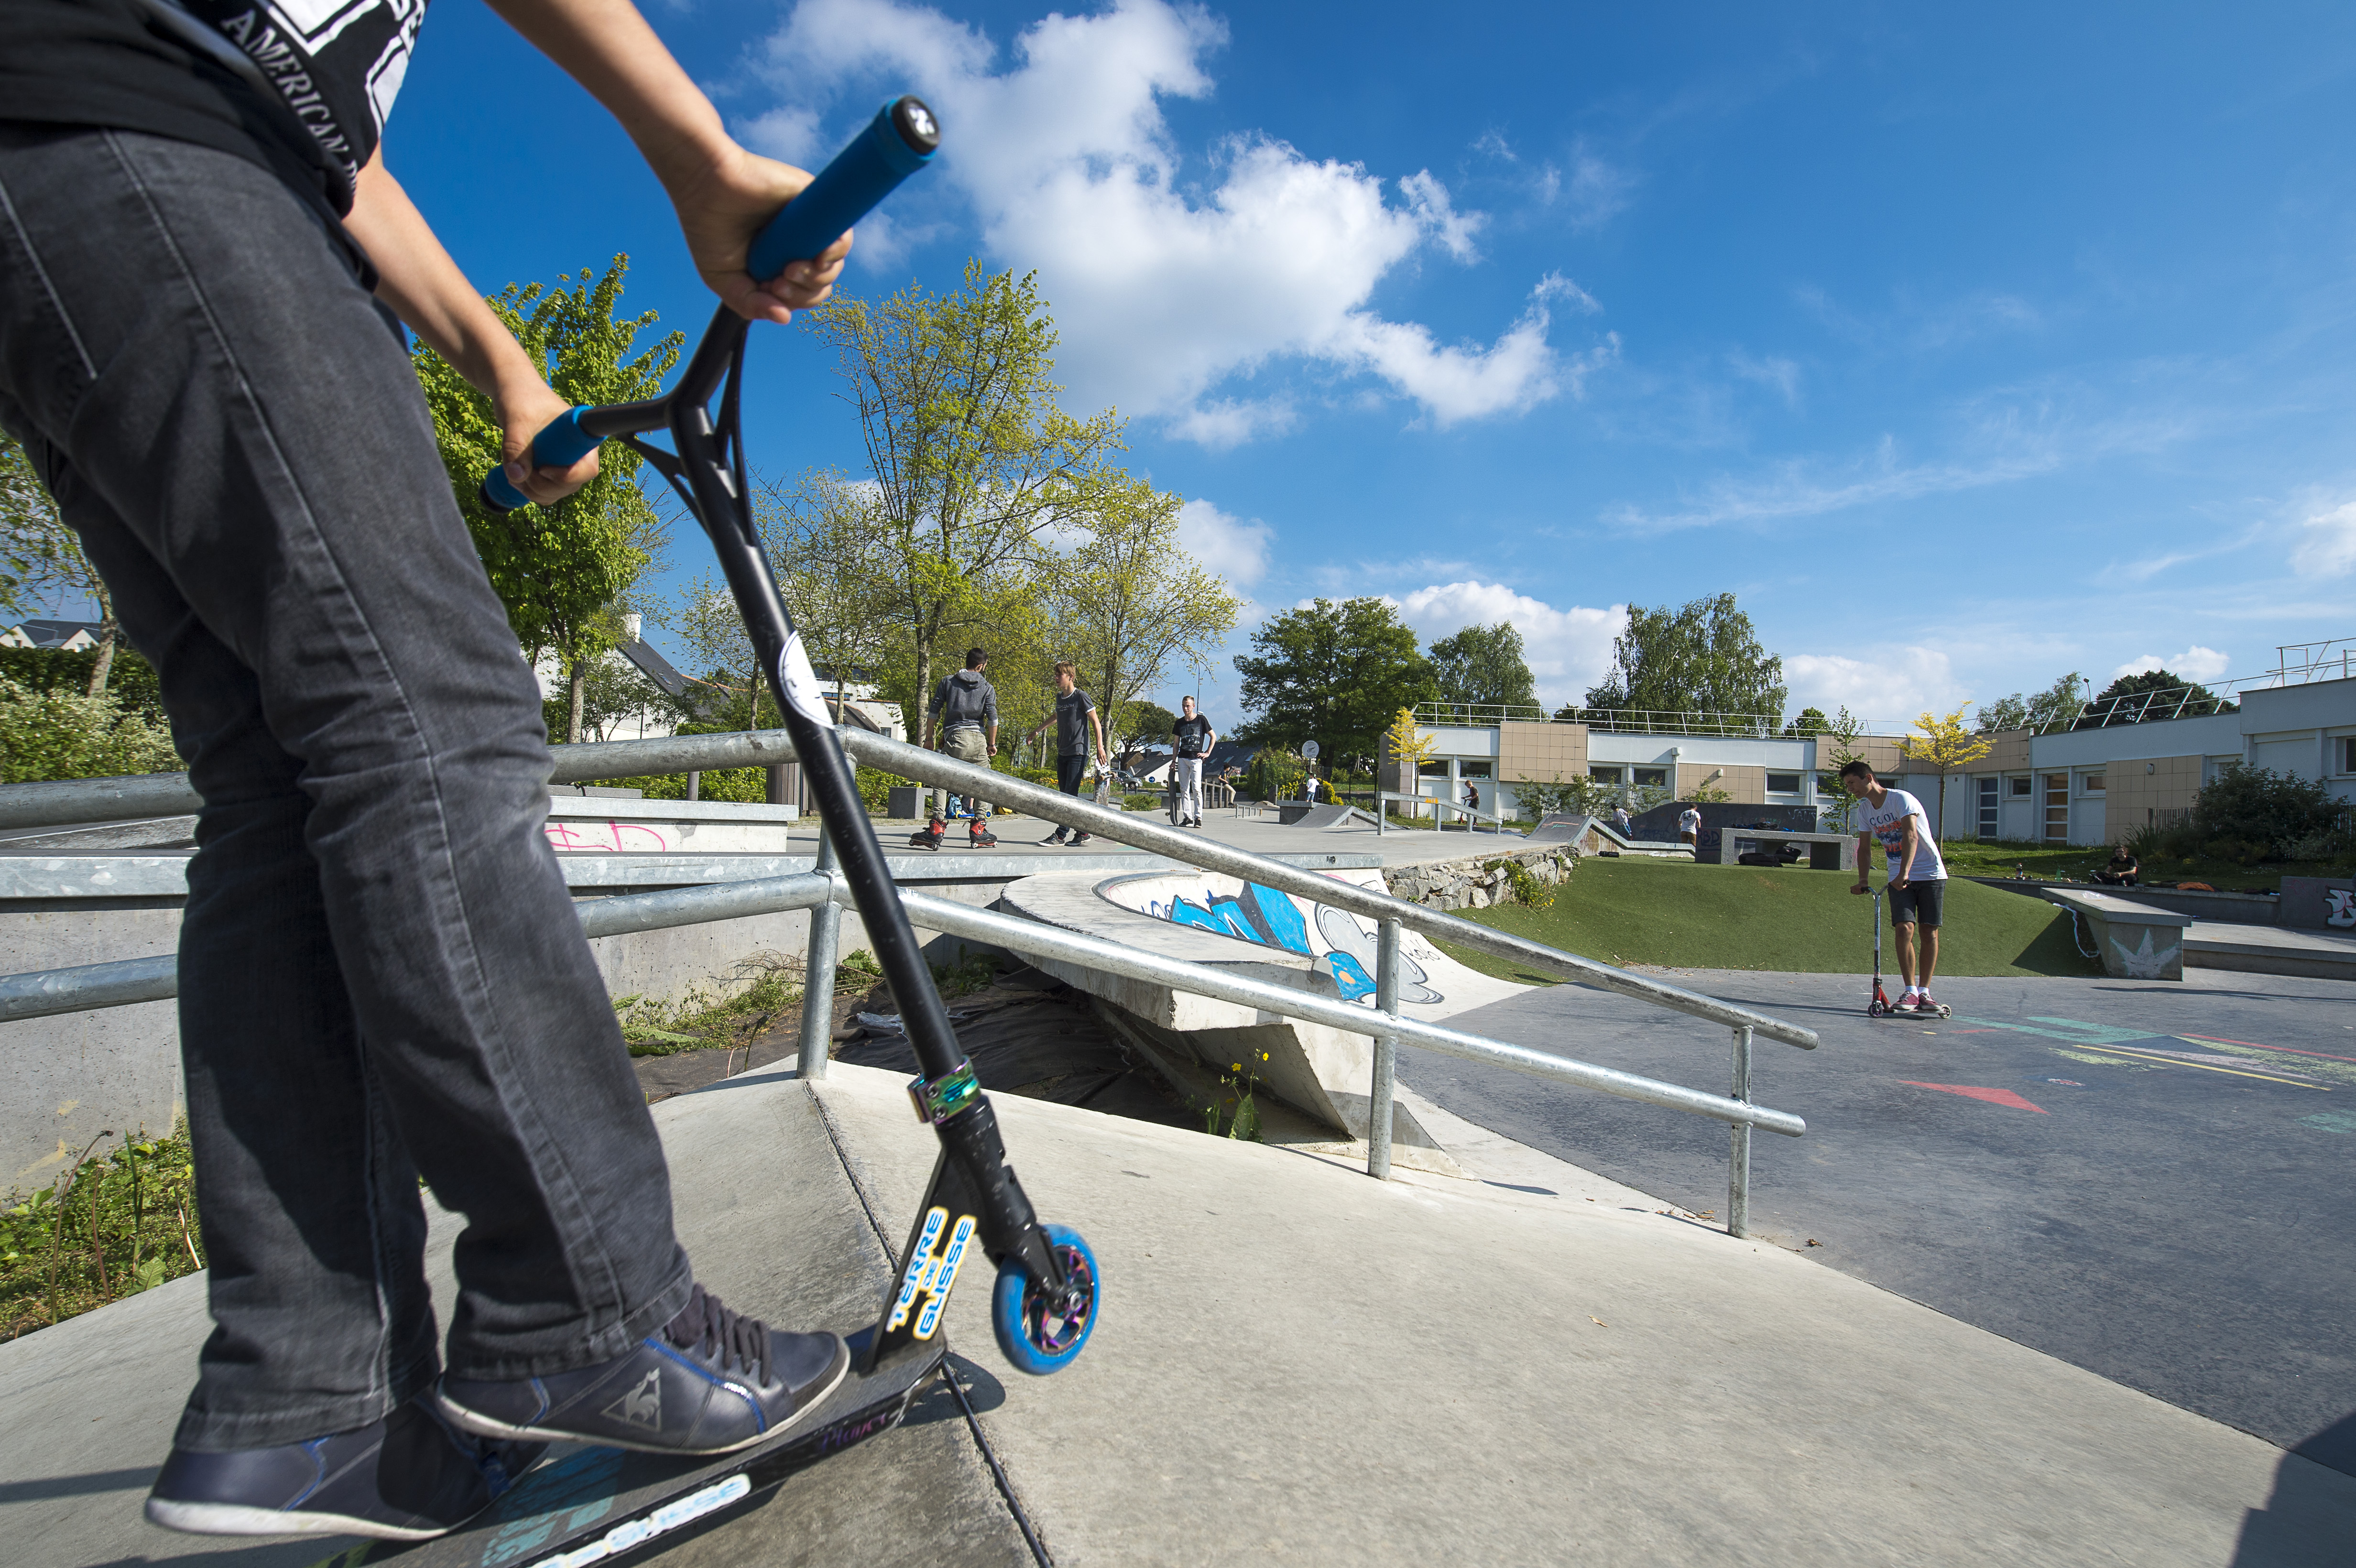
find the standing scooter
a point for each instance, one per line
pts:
(1880, 1006)
(599, 1502)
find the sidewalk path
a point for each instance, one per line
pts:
(2057, 1163)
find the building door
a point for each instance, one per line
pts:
(1987, 804)
(2020, 809)
(2057, 808)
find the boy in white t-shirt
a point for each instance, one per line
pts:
(1918, 877)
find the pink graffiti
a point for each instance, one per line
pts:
(607, 837)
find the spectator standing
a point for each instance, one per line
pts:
(1190, 739)
(965, 708)
(1077, 724)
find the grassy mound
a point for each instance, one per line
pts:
(1684, 915)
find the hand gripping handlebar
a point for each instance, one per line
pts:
(898, 141)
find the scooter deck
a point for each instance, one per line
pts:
(583, 1505)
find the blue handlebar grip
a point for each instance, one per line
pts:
(898, 141)
(559, 445)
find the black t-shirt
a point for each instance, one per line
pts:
(1072, 710)
(1193, 735)
(333, 65)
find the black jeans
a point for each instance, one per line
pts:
(380, 970)
(1071, 773)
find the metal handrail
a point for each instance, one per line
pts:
(1472, 811)
(92, 800)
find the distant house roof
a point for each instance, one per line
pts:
(71, 635)
(657, 668)
(1230, 754)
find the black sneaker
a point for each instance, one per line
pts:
(710, 1382)
(1080, 838)
(1057, 836)
(406, 1477)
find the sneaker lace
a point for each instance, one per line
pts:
(728, 1337)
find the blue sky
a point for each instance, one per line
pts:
(1966, 348)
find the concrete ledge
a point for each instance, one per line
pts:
(2137, 941)
(2270, 950)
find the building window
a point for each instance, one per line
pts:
(1438, 770)
(1474, 769)
(1609, 775)
(1656, 777)
(2057, 808)
(2092, 783)
(2020, 788)
(1782, 783)
(2348, 754)
(1987, 804)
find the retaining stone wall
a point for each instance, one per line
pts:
(1471, 884)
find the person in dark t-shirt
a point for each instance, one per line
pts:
(1190, 739)
(1076, 721)
(381, 974)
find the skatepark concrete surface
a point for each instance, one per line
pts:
(1297, 1364)
(1264, 836)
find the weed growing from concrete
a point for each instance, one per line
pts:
(1243, 1122)
(111, 1225)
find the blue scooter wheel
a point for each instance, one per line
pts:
(1034, 1336)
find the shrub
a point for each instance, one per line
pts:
(2262, 808)
(60, 734)
(129, 679)
(111, 1225)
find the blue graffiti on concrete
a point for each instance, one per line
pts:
(1263, 916)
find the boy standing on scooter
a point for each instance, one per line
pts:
(1918, 877)
(382, 975)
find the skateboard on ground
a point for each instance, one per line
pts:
(589, 1504)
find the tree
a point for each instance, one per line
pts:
(1483, 666)
(1836, 749)
(1331, 673)
(1702, 659)
(830, 549)
(1404, 743)
(41, 558)
(1141, 725)
(1128, 600)
(2054, 707)
(1811, 721)
(559, 570)
(974, 462)
(2153, 694)
(1949, 747)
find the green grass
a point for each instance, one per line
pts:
(120, 1221)
(1682, 915)
(2077, 863)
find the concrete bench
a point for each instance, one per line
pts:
(1827, 851)
(2137, 941)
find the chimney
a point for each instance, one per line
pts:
(631, 625)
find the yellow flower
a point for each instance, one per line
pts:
(1235, 1067)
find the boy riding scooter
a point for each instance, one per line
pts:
(1918, 877)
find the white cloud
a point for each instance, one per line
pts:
(1780, 375)
(1235, 550)
(2195, 663)
(1598, 190)
(1568, 650)
(1891, 688)
(1220, 423)
(1166, 280)
(2327, 543)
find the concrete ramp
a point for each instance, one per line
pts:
(1296, 1364)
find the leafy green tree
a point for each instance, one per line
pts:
(975, 463)
(1949, 748)
(1333, 673)
(1483, 665)
(1143, 724)
(42, 559)
(829, 545)
(1836, 749)
(2259, 806)
(1129, 601)
(2152, 694)
(2054, 707)
(560, 570)
(63, 735)
(1702, 659)
(1811, 721)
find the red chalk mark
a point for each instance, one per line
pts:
(1970, 1092)
(2253, 1045)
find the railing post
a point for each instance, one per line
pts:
(1738, 1141)
(1379, 1099)
(817, 977)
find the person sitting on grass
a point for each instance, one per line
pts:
(1918, 877)
(2121, 871)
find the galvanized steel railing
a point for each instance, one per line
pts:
(823, 891)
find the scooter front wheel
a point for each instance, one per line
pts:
(1037, 1334)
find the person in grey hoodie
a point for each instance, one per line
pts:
(965, 708)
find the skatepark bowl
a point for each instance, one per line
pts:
(1373, 1010)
